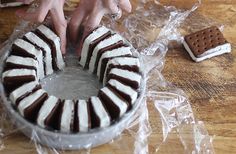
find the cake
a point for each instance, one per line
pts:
(26, 89)
(25, 49)
(67, 116)
(30, 105)
(206, 43)
(114, 102)
(125, 63)
(104, 54)
(43, 46)
(14, 78)
(46, 115)
(90, 43)
(128, 93)
(100, 117)
(127, 77)
(109, 43)
(82, 122)
(54, 41)
(14, 62)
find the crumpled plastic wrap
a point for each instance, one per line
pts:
(150, 28)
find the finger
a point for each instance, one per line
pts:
(112, 6)
(76, 19)
(125, 5)
(36, 16)
(60, 25)
(93, 21)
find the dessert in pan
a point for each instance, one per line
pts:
(105, 54)
(206, 44)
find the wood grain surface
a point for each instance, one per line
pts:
(210, 86)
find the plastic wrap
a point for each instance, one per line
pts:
(150, 28)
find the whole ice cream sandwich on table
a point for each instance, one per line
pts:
(206, 44)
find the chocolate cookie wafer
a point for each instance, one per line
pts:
(206, 43)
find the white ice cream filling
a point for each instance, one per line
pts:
(67, 116)
(18, 72)
(93, 36)
(125, 89)
(132, 76)
(122, 61)
(100, 111)
(83, 116)
(29, 48)
(107, 42)
(43, 45)
(22, 61)
(28, 101)
(46, 109)
(113, 53)
(28, 87)
(116, 100)
(56, 40)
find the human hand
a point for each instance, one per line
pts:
(88, 15)
(55, 10)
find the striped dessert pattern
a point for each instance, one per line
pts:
(40, 44)
(25, 49)
(47, 112)
(82, 116)
(126, 63)
(13, 62)
(115, 104)
(106, 56)
(18, 76)
(99, 115)
(54, 41)
(129, 78)
(109, 43)
(128, 93)
(30, 105)
(104, 53)
(20, 93)
(67, 117)
(90, 43)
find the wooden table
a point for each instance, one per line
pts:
(210, 86)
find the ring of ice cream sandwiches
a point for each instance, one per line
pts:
(104, 53)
